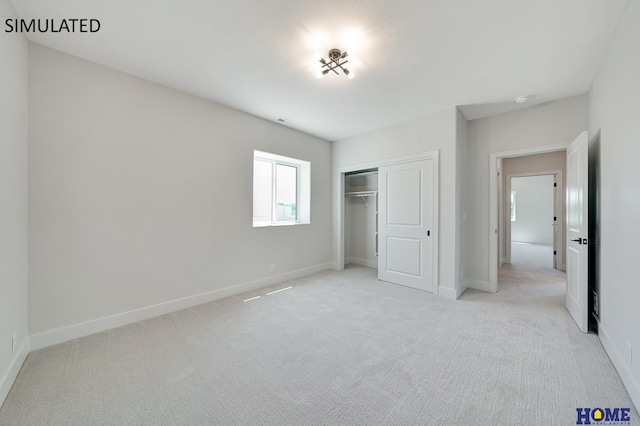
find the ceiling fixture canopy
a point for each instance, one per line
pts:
(522, 99)
(337, 60)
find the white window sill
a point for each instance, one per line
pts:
(267, 224)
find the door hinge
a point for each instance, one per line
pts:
(428, 233)
(555, 252)
(555, 184)
(555, 218)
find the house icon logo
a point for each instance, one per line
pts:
(606, 416)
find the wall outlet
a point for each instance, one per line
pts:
(14, 340)
(272, 268)
(629, 353)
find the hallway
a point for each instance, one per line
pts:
(531, 263)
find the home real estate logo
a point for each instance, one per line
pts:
(606, 416)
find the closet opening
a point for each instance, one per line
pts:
(361, 217)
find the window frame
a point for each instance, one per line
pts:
(302, 184)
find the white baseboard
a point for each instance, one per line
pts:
(362, 262)
(625, 373)
(476, 285)
(63, 334)
(502, 262)
(448, 293)
(9, 376)
(333, 266)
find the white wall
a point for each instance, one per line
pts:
(141, 195)
(535, 163)
(433, 132)
(552, 123)
(613, 112)
(534, 209)
(13, 202)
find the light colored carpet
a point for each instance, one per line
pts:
(527, 257)
(338, 348)
(531, 264)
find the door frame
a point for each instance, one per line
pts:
(493, 201)
(428, 155)
(558, 245)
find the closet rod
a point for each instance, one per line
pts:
(360, 194)
(363, 194)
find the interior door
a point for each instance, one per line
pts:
(554, 224)
(577, 226)
(405, 224)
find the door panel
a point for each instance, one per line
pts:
(403, 255)
(577, 298)
(405, 224)
(403, 205)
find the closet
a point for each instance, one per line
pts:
(361, 217)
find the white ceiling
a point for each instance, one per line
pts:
(413, 57)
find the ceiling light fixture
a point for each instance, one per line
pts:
(522, 99)
(336, 61)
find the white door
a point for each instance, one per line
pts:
(554, 224)
(405, 224)
(577, 226)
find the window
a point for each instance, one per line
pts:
(513, 206)
(281, 190)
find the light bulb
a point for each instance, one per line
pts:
(351, 75)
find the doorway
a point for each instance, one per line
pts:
(576, 221)
(546, 160)
(361, 218)
(535, 222)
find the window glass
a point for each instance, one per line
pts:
(286, 192)
(513, 206)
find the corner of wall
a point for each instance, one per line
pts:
(630, 382)
(14, 49)
(462, 190)
(10, 375)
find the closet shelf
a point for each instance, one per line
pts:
(363, 195)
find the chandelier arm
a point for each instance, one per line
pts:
(331, 66)
(341, 65)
